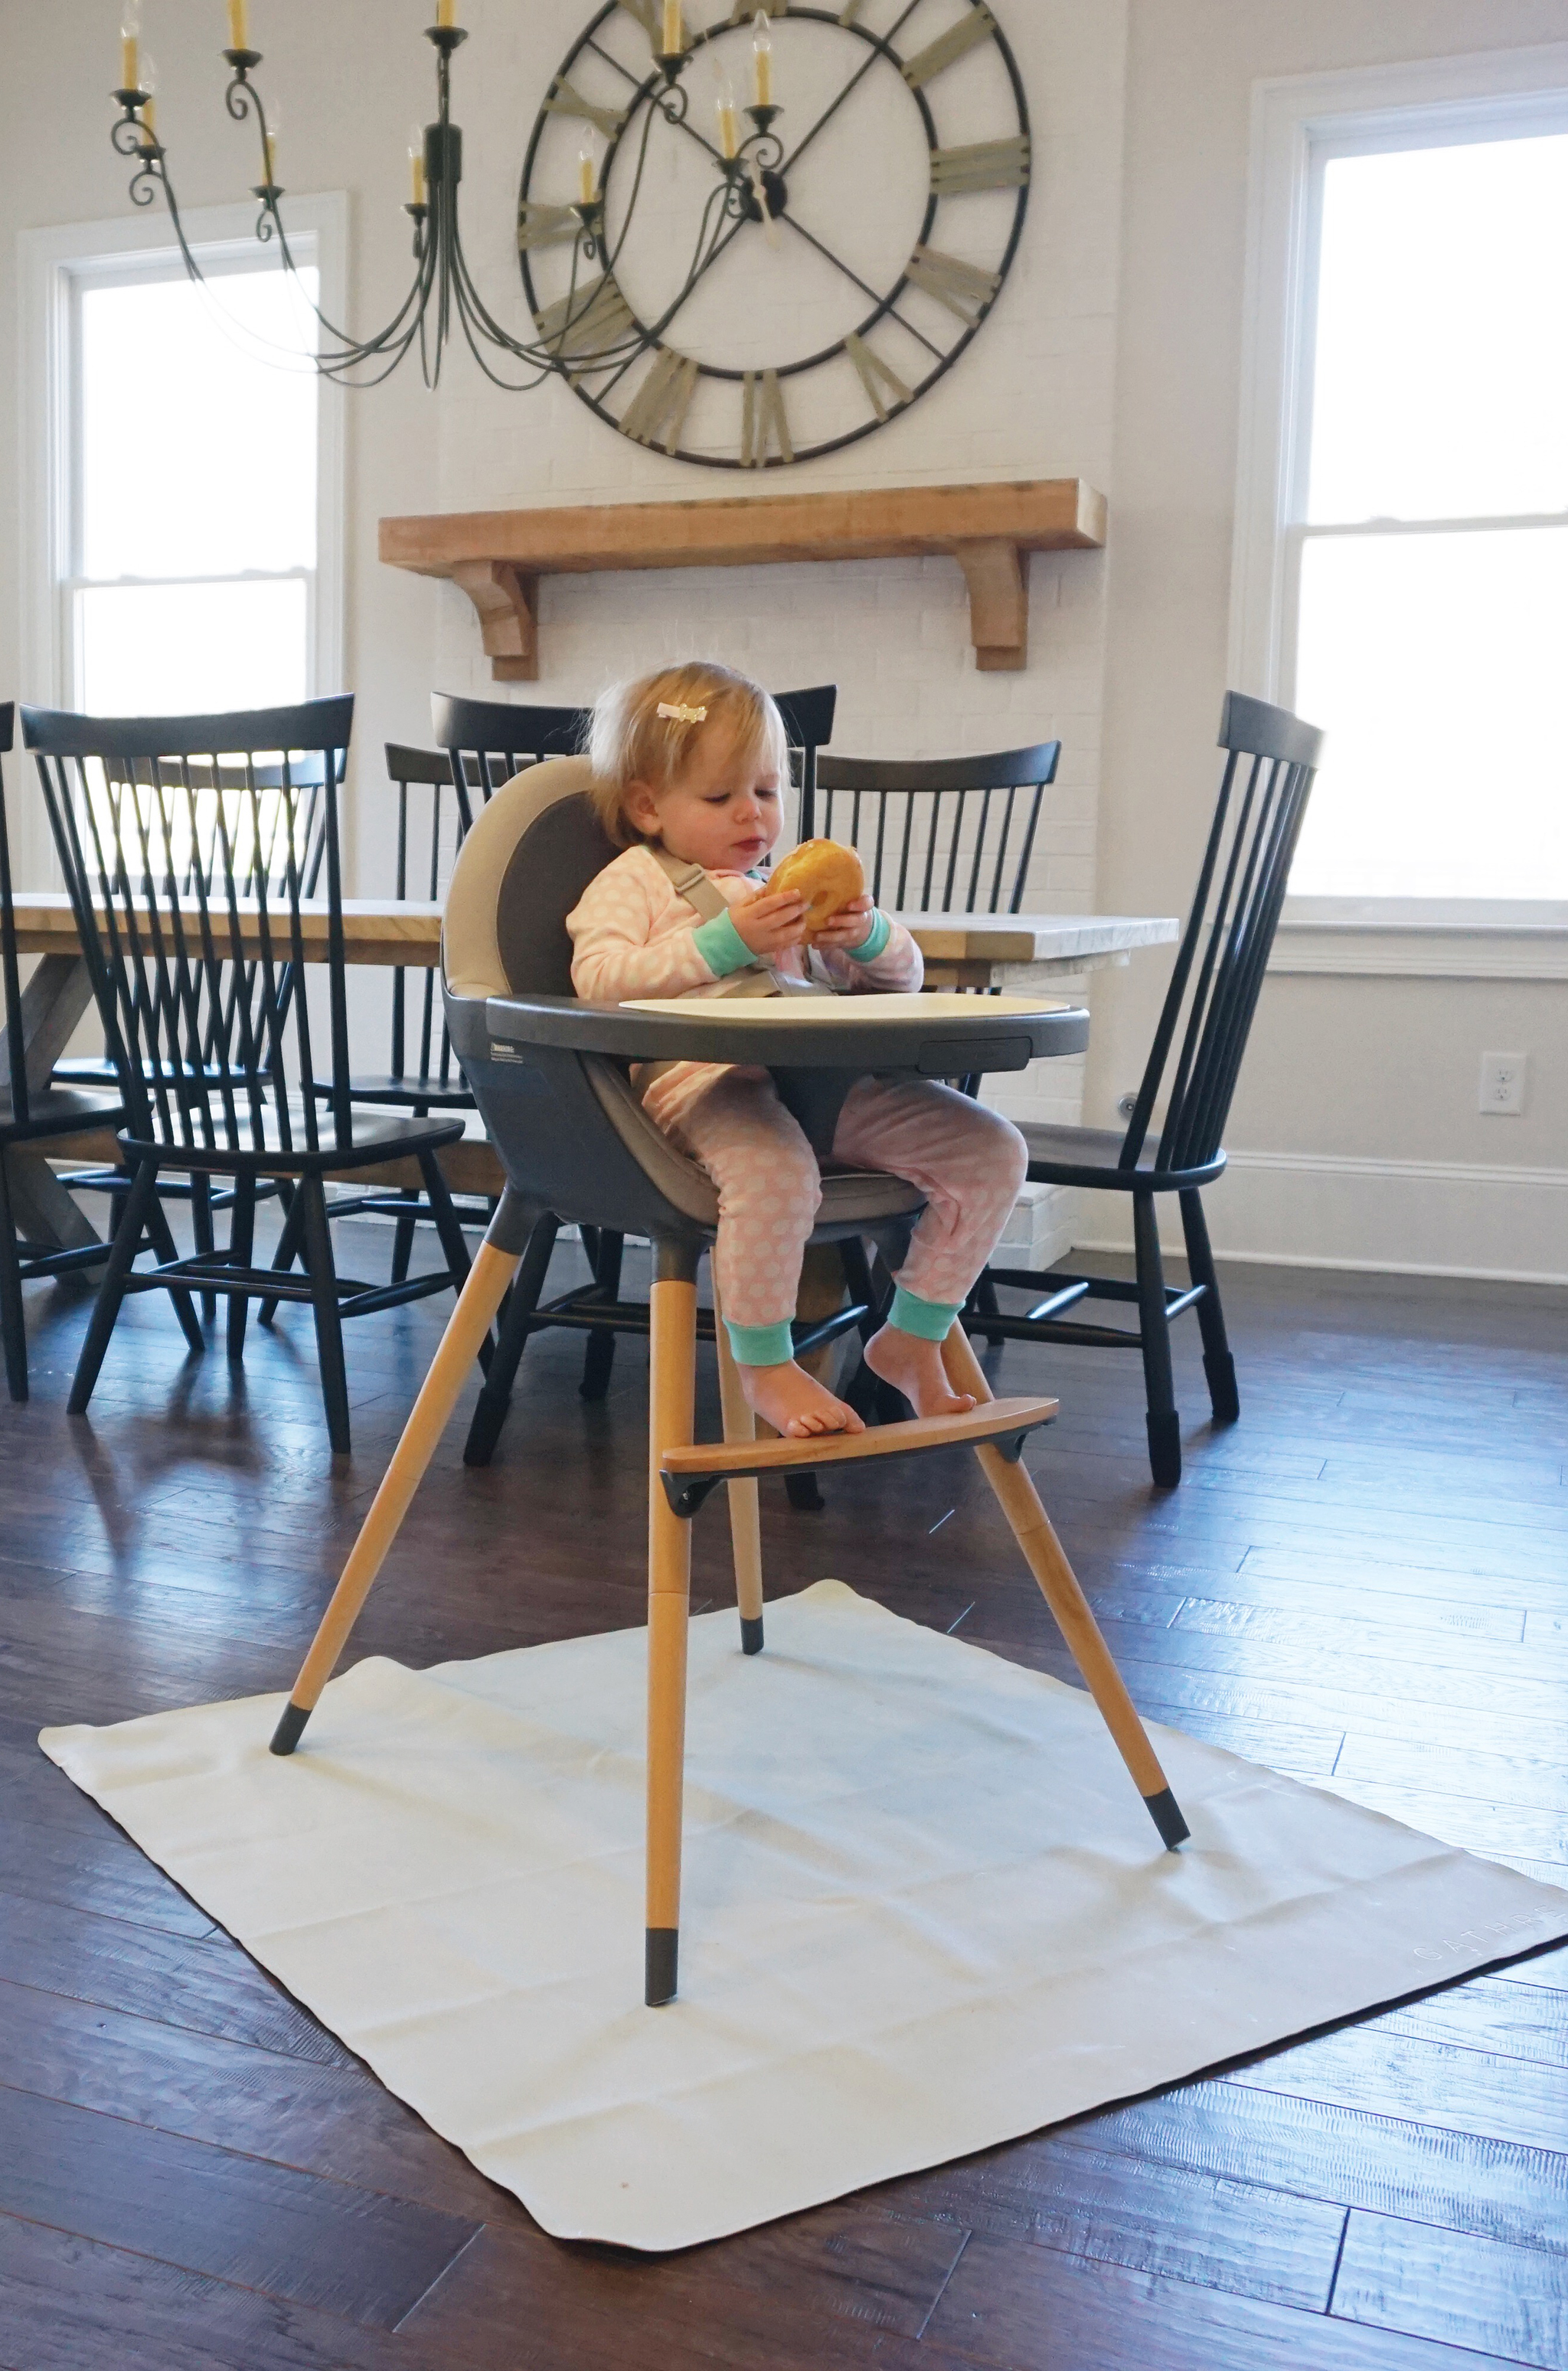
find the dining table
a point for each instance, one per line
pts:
(960, 950)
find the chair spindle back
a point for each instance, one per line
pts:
(192, 848)
(10, 971)
(943, 836)
(1271, 762)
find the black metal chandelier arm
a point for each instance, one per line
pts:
(612, 260)
(885, 305)
(882, 46)
(647, 87)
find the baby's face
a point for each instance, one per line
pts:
(723, 813)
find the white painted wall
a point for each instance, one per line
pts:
(1355, 1128)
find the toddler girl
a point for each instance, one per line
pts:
(688, 766)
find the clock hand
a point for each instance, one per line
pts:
(885, 305)
(883, 47)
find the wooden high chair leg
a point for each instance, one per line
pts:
(746, 1514)
(470, 1322)
(671, 1398)
(1047, 1561)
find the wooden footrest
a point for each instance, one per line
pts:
(690, 1475)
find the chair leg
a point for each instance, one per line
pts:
(13, 1321)
(1164, 1424)
(202, 1233)
(449, 1232)
(489, 1409)
(600, 1355)
(745, 1513)
(289, 1242)
(987, 1304)
(671, 1400)
(1058, 1584)
(160, 1234)
(122, 1252)
(403, 1242)
(242, 1246)
(1219, 1367)
(469, 1322)
(329, 1316)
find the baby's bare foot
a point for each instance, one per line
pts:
(794, 1404)
(914, 1367)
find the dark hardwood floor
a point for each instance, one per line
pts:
(1367, 1579)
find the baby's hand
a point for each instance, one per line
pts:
(849, 928)
(770, 923)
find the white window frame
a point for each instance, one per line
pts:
(54, 266)
(1298, 124)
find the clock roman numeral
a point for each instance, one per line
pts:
(565, 100)
(978, 26)
(964, 288)
(744, 8)
(643, 12)
(849, 11)
(542, 225)
(661, 401)
(585, 321)
(763, 419)
(875, 376)
(988, 165)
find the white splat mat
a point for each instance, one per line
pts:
(925, 1909)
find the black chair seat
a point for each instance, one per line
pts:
(1089, 1156)
(431, 1092)
(377, 1141)
(59, 1111)
(87, 1071)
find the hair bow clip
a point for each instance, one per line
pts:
(678, 714)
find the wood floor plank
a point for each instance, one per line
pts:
(94, 1870)
(1034, 2309)
(210, 1986)
(1419, 2082)
(1506, 2020)
(297, 2236)
(1465, 2291)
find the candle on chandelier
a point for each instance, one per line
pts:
(761, 58)
(416, 165)
(445, 14)
(675, 32)
(585, 175)
(149, 114)
(131, 46)
(729, 135)
(270, 150)
(239, 31)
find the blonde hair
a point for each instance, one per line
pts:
(630, 740)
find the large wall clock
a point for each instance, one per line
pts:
(801, 300)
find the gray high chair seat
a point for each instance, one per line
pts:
(549, 1075)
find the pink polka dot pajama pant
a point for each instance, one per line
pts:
(968, 1161)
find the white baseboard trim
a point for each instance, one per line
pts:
(1484, 1221)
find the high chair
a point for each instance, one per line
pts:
(549, 1075)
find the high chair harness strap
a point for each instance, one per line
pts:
(708, 901)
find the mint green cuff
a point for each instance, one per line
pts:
(722, 949)
(761, 1346)
(932, 1320)
(870, 948)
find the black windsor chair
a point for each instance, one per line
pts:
(188, 846)
(1270, 761)
(43, 1117)
(490, 740)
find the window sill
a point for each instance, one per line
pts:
(1423, 938)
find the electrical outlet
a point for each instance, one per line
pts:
(1503, 1077)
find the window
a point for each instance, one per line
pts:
(1403, 531)
(184, 549)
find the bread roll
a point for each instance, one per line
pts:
(826, 873)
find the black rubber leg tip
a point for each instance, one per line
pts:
(290, 1729)
(1165, 1449)
(662, 1950)
(1223, 1397)
(1167, 1817)
(751, 1635)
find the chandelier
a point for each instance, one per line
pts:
(442, 298)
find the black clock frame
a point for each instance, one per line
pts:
(647, 93)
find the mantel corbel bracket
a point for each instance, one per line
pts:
(997, 574)
(507, 600)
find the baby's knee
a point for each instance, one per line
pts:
(998, 1148)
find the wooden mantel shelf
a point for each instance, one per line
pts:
(498, 557)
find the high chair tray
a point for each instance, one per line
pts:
(935, 1036)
